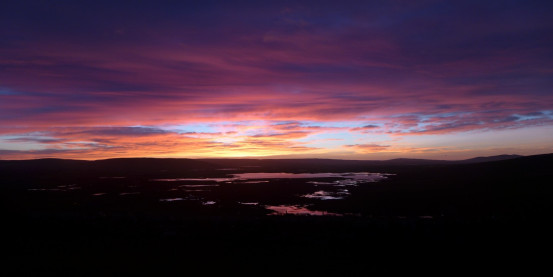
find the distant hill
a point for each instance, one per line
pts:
(489, 159)
(175, 166)
(115, 167)
(311, 163)
(403, 161)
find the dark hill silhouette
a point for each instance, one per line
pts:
(335, 164)
(405, 161)
(149, 165)
(489, 159)
(131, 165)
(513, 186)
(116, 167)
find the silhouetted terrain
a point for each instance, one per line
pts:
(184, 216)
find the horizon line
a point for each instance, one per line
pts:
(273, 158)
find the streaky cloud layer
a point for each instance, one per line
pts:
(355, 79)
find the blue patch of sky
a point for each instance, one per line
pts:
(83, 142)
(326, 140)
(210, 127)
(536, 115)
(336, 138)
(11, 143)
(337, 124)
(84, 145)
(191, 128)
(342, 138)
(425, 117)
(214, 127)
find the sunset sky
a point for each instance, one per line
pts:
(295, 79)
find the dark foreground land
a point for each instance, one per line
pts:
(161, 217)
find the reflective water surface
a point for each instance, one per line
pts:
(349, 177)
(296, 210)
(356, 176)
(247, 190)
(327, 195)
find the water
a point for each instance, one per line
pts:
(352, 176)
(330, 187)
(57, 188)
(197, 186)
(249, 203)
(129, 193)
(296, 210)
(171, 199)
(254, 182)
(193, 179)
(274, 193)
(349, 178)
(328, 195)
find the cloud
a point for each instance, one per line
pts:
(419, 124)
(36, 140)
(368, 148)
(366, 128)
(124, 131)
(103, 142)
(410, 69)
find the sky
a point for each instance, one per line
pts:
(276, 79)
